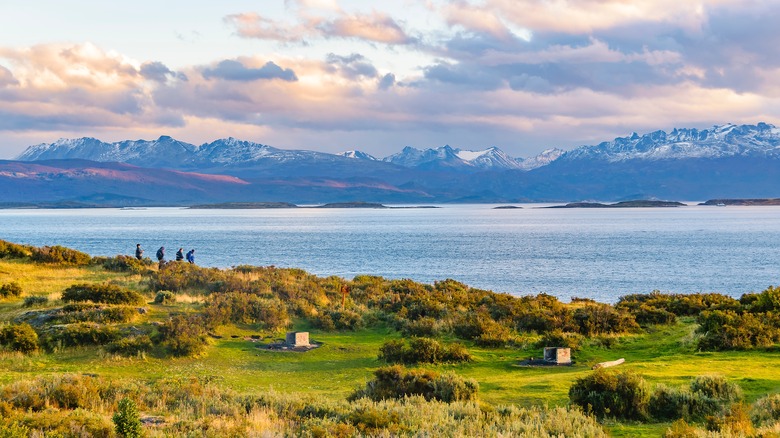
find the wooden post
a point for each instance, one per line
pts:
(344, 292)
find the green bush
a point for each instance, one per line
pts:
(130, 346)
(422, 350)
(706, 396)
(101, 293)
(60, 255)
(558, 338)
(646, 315)
(14, 251)
(395, 382)
(668, 403)
(717, 387)
(165, 297)
(766, 410)
(244, 308)
(729, 330)
(595, 319)
(10, 290)
(608, 394)
(82, 312)
(123, 263)
(35, 300)
(82, 334)
(19, 337)
(424, 327)
(183, 335)
(127, 421)
(481, 328)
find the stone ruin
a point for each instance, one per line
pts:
(557, 355)
(297, 339)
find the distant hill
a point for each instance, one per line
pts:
(726, 161)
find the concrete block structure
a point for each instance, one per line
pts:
(557, 355)
(297, 339)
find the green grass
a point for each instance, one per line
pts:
(346, 360)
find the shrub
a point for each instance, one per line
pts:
(729, 330)
(123, 263)
(483, 330)
(425, 326)
(244, 308)
(393, 351)
(717, 387)
(183, 335)
(35, 300)
(646, 315)
(422, 350)
(10, 290)
(130, 346)
(14, 251)
(82, 334)
(127, 422)
(766, 410)
(101, 293)
(60, 255)
(165, 297)
(558, 338)
(19, 337)
(707, 396)
(395, 382)
(594, 319)
(608, 394)
(81, 312)
(669, 403)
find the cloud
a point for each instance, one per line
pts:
(375, 27)
(236, 71)
(386, 82)
(354, 66)
(6, 77)
(156, 71)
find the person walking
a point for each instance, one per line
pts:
(161, 255)
(180, 255)
(139, 253)
(191, 256)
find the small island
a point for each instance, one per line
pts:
(507, 207)
(352, 205)
(622, 204)
(243, 205)
(744, 202)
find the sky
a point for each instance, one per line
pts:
(336, 75)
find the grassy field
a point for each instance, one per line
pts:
(347, 359)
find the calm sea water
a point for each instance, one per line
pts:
(600, 254)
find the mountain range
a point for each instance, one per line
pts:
(723, 161)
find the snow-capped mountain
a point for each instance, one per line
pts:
(359, 155)
(491, 158)
(546, 157)
(718, 142)
(446, 157)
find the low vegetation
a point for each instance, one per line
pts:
(180, 350)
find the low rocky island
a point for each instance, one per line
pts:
(756, 201)
(507, 207)
(243, 205)
(353, 205)
(622, 204)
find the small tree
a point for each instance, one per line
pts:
(127, 422)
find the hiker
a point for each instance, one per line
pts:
(191, 256)
(180, 255)
(139, 253)
(161, 255)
